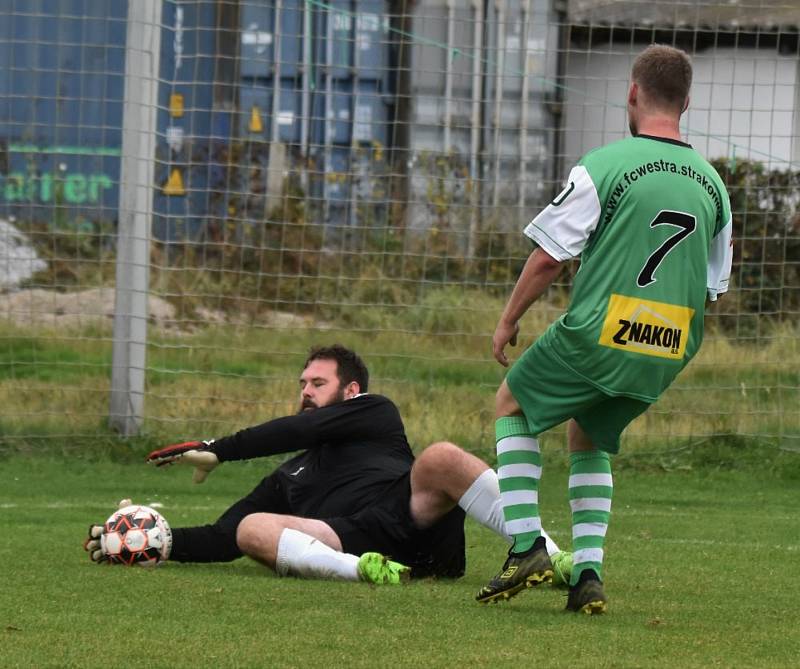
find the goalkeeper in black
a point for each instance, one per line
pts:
(353, 496)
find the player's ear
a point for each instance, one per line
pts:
(685, 105)
(633, 93)
(351, 390)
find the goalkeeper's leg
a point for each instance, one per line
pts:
(444, 476)
(309, 548)
(217, 542)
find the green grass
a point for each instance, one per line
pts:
(208, 383)
(53, 359)
(701, 566)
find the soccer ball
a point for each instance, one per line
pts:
(136, 535)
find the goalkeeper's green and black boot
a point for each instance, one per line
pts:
(587, 595)
(520, 571)
(380, 570)
(562, 569)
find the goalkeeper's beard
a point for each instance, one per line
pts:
(308, 404)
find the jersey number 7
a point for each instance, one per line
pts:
(687, 224)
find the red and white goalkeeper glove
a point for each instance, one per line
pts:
(198, 454)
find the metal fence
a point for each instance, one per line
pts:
(236, 168)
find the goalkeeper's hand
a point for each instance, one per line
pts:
(92, 543)
(198, 454)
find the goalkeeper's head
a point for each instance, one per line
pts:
(331, 374)
(660, 81)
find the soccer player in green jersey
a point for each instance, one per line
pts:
(651, 222)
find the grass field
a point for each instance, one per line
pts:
(703, 549)
(701, 572)
(54, 384)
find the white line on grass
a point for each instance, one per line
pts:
(95, 505)
(705, 542)
(673, 512)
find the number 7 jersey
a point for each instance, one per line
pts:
(651, 221)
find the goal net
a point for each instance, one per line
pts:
(194, 192)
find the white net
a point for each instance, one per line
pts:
(360, 172)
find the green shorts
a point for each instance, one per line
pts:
(549, 393)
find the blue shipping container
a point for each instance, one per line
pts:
(259, 116)
(62, 67)
(259, 38)
(185, 147)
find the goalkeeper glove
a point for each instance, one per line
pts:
(92, 543)
(198, 454)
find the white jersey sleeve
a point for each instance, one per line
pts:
(720, 258)
(563, 227)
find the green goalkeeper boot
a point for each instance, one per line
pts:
(562, 569)
(380, 570)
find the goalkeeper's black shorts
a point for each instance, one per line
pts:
(386, 527)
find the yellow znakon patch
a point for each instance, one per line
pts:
(647, 327)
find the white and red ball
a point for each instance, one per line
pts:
(136, 535)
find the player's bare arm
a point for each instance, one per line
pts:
(539, 272)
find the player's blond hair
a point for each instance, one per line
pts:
(664, 73)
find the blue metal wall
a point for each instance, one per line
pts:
(61, 87)
(186, 146)
(314, 77)
(318, 77)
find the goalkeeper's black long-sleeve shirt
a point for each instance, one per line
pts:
(352, 451)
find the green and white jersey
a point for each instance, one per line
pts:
(651, 221)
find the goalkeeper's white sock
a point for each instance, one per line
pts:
(302, 555)
(482, 502)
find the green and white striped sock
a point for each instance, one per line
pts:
(590, 490)
(519, 468)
